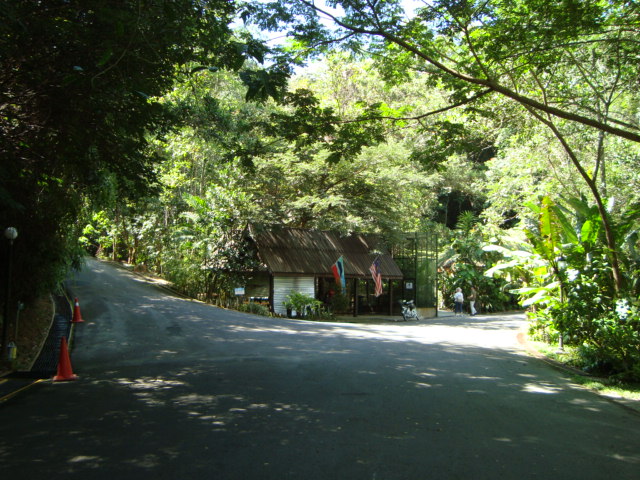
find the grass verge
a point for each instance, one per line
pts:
(606, 386)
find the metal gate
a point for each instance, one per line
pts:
(417, 257)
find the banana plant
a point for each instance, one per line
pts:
(527, 270)
(540, 262)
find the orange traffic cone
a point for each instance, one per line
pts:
(77, 316)
(64, 364)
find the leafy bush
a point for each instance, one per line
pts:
(606, 340)
(568, 284)
(254, 308)
(542, 327)
(492, 294)
(463, 265)
(615, 342)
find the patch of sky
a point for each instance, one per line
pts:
(327, 13)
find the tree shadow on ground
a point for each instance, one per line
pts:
(290, 399)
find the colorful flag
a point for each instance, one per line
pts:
(338, 273)
(377, 276)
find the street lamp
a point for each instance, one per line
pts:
(10, 234)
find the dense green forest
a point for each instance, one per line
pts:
(154, 132)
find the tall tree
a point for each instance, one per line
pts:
(232, 163)
(78, 81)
(527, 51)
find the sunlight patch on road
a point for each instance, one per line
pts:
(427, 380)
(586, 404)
(481, 377)
(496, 336)
(626, 458)
(423, 385)
(87, 461)
(289, 331)
(147, 389)
(147, 461)
(546, 389)
(195, 399)
(83, 458)
(149, 383)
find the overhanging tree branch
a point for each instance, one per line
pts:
(424, 115)
(488, 83)
(611, 243)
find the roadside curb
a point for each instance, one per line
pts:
(47, 361)
(45, 364)
(16, 391)
(630, 405)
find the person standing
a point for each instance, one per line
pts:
(472, 300)
(458, 299)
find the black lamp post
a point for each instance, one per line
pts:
(10, 234)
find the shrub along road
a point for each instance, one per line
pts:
(172, 388)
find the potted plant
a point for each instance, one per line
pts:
(301, 304)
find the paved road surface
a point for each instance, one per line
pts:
(174, 389)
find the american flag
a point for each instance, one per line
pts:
(377, 276)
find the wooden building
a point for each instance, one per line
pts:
(298, 260)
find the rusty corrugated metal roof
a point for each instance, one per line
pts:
(313, 252)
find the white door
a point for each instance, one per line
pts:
(284, 286)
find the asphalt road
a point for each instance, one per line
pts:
(175, 389)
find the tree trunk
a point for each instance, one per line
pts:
(604, 215)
